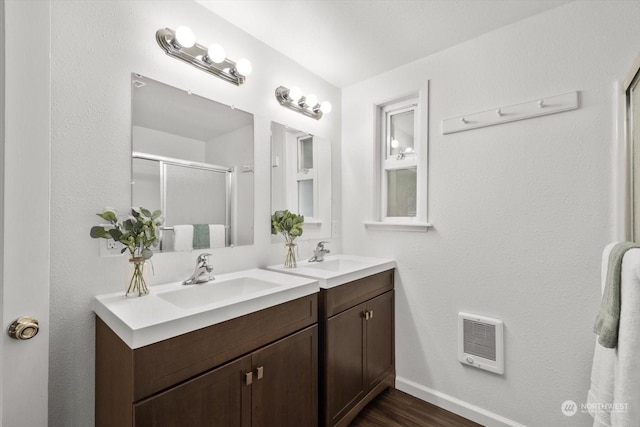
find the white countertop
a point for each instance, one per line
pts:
(149, 319)
(337, 270)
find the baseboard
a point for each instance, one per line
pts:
(457, 406)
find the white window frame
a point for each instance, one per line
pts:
(381, 222)
(416, 160)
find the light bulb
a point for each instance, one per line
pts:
(326, 107)
(185, 37)
(243, 67)
(311, 100)
(295, 94)
(216, 53)
(394, 143)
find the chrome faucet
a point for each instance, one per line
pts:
(319, 252)
(203, 268)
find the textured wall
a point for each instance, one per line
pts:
(96, 45)
(521, 210)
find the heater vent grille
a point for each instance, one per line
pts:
(480, 342)
(480, 339)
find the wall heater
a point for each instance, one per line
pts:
(481, 342)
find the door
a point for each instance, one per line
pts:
(220, 398)
(345, 374)
(379, 339)
(285, 385)
(632, 119)
(25, 122)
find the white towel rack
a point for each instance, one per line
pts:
(526, 110)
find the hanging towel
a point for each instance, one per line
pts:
(183, 237)
(201, 238)
(614, 396)
(217, 235)
(609, 316)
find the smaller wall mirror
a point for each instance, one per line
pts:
(193, 158)
(301, 178)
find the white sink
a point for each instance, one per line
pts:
(337, 265)
(216, 291)
(336, 270)
(173, 309)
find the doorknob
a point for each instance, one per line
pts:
(24, 328)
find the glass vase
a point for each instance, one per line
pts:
(290, 255)
(137, 276)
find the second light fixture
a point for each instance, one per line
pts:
(307, 105)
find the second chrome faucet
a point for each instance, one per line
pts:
(319, 252)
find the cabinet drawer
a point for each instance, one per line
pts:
(340, 298)
(163, 364)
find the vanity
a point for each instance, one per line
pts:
(356, 332)
(239, 351)
(252, 348)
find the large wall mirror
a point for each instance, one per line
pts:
(193, 158)
(301, 178)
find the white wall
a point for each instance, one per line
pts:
(96, 45)
(521, 210)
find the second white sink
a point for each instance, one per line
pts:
(337, 265)
(337, 270)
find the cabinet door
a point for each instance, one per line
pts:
(344, 370)
(379, 339)
(285, 381)
(218, 398)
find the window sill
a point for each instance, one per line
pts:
(312, 224)
(398, 226)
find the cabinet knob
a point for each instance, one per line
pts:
(248, 378)
(24, 328)
(260, 372)
(370, 314)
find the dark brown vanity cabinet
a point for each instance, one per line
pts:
(256, 370)
(357, 351)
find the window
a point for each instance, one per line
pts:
(302, 197)
(401, 167)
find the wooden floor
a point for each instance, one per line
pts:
(393, 408)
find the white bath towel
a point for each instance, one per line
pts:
(614, 396)
(183, 237)
(217, 235)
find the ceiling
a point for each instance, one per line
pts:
(162, 107)
(346, 41)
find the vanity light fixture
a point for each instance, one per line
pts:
(307, 105)
(181, 44)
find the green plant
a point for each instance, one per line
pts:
(288, 224)
(137, 233)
